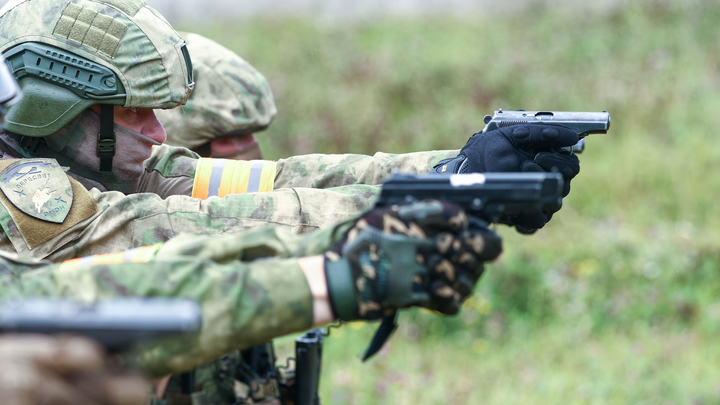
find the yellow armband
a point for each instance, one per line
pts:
(220, 177)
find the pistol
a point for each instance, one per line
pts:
(487, 196)
(117, 324)
(583, 123)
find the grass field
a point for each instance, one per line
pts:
(617, 300)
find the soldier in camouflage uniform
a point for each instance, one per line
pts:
(88, 64)
(42, 369)
(102, 222)
(426, 254)
(231, 102)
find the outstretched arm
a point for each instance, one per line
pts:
(388, 259)
(242, 304)
(178, 171)
(324, 171)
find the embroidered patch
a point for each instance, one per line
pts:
(39, 188)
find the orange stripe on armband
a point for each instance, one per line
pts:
(220, 177)
(71, 264)
(109, 258)
(137, 255)
(142, 254)
(202, 178)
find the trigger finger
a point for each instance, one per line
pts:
(433, 216)
(559, 136)
(542, 136)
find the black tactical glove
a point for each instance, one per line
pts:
(520, 148)
(422, 254)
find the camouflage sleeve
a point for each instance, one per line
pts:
(243, 303)
(170, 170)
(324, 171)
(257, 244)
(130, 221)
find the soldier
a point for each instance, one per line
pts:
(41, 370)
(231, 102)
(87, 64)
(65, 370)
(426, 254)
(93, 71)
(430, 252)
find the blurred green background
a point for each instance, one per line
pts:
(617, 299)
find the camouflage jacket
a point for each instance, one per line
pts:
(243, 301)
(311, 192)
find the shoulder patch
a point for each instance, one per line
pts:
(30, 221)
(39, 188)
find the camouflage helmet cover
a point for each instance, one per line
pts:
(125, 40)
(231, 97)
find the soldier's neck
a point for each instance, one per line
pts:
(6, 139)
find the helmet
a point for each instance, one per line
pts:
(231, 98)
(68, 55)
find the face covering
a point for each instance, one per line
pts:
(78, 141)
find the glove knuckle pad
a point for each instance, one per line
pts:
(550, 134)
(520, 133)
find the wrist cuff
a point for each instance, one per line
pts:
(341, 289)
(450, 165)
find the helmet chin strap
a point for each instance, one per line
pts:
(105, 150)
(106, 137)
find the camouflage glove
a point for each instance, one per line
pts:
(39, 369)
(520, 148)
(426, 254)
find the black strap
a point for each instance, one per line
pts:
(453, 165)
(29, 143)
(187, 382)
(387, 327)
(106, 137)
